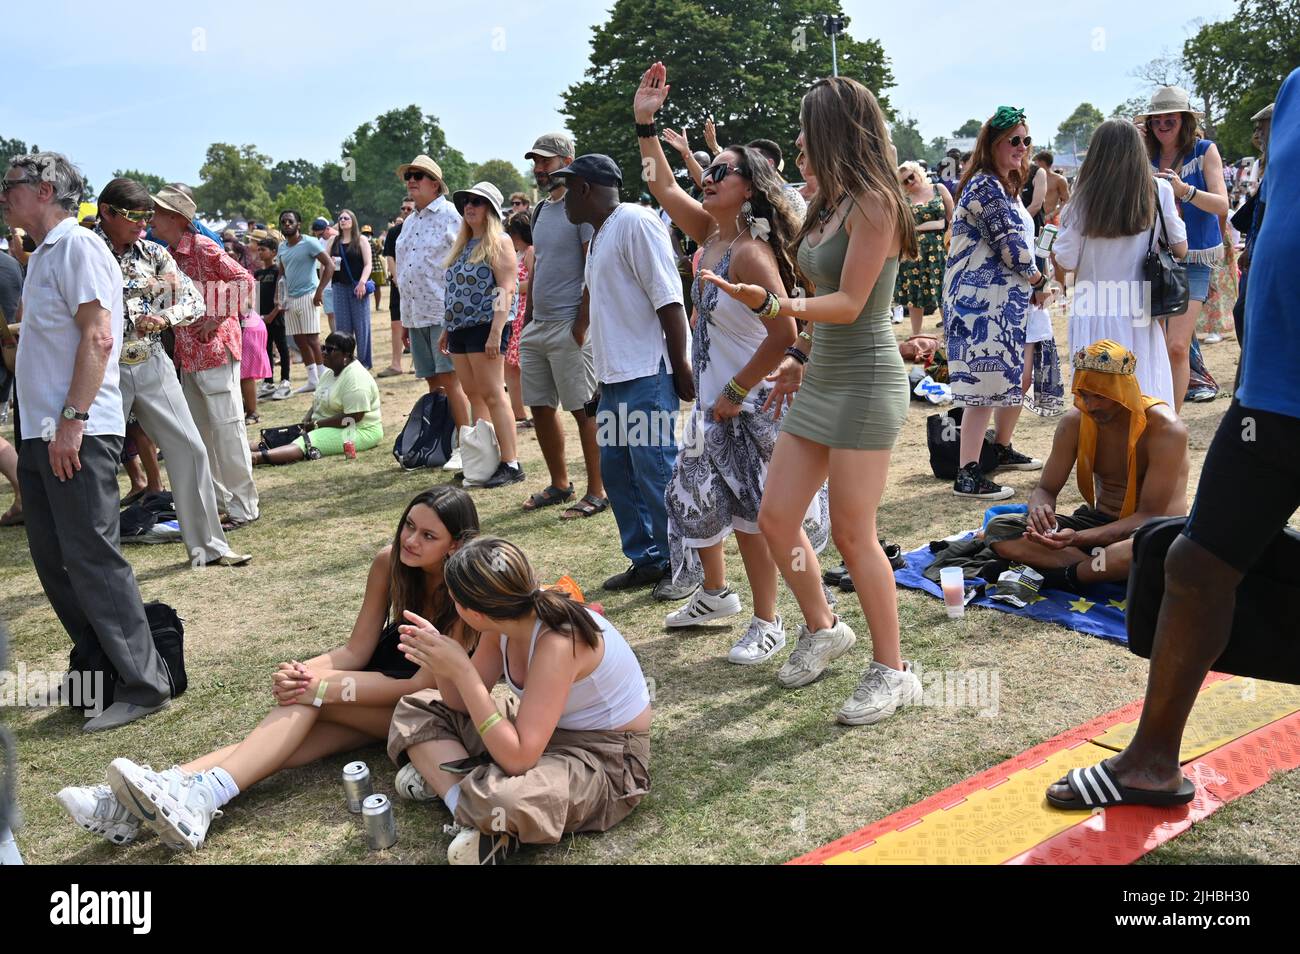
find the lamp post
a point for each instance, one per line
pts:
(833, 25)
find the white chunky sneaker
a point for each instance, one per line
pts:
(282, 391)
(760, 643)
(410, 785)
(880, 692)
(175, 804)
(814, 652)
(97, 810)
(265, 390)
(473, 847)
(704, 608)
(453, 462)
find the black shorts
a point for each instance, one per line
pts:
(471, 340)
(1249, 487)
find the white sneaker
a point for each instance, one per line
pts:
(265, 389)
(814, 652)
(1212, 338)
(97, 810)
(453, 462)
(305, 388)
(704, 608)
(175, 804)
(880, 692)
(282, 391)
(759, 644)
(473, 847)
(410, 785)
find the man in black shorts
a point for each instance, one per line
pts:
(395, 296)
(1249, 490)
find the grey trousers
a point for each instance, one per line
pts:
(72, 533)
(218, 408)
(153, 392)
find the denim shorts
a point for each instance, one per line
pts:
(1198, 281)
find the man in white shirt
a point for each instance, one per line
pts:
(638, 338)
(72, 433)
(426, 239)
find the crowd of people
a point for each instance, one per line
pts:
(143, 330)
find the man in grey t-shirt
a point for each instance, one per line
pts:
(555, 350)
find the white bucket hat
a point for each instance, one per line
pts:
(484, 189)
(1168, 99)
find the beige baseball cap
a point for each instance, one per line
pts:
(552, 144)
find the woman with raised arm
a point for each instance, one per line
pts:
(849, 407)
(335, 702)
(744, 226)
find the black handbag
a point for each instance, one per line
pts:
(274, 437)
(1164, 274)
(1264, 642)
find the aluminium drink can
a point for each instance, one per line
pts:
(350, 450)
(1046, 238)
(356, 784)
(381, 826)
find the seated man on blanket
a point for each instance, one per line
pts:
(1129, 452)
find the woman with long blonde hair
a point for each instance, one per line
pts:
(482, 276)
(849, 407)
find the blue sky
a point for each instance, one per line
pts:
(295, 79)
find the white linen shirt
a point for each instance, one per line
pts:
(630, 275)
(422, 248)
(71, 267)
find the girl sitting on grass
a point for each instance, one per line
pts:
(575, 756)
(332, 703)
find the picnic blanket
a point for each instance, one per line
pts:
(1099, 612)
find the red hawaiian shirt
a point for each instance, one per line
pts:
(226, 288)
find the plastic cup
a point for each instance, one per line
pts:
(952, 580)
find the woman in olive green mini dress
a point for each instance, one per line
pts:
(850, 401)
(919, 287)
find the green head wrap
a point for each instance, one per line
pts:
(1006, 117)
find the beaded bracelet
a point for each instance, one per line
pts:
(795, 353)
(734, 393)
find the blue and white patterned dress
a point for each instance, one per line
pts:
(986, 297)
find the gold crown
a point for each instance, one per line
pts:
(1110, 358)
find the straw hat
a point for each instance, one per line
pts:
(174, 200)
(485, 189)
(1264, 114)
(424, 164)
(1168, 99)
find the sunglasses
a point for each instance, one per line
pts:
(415, 174)
(138, 216)
(1164, 122)
(518, 202)
(477, 201)
(717, 172)
(7, 184)
(911, 177)
(330, 349)
(1017, 140)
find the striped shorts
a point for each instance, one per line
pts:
(301, 317)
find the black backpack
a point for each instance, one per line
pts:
(944, 439)
(168, 638)
(426, 438)
(1264, 642)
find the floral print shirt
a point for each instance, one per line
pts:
(422, 248)
(152, 286)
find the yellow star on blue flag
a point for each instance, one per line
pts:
(1081, 605)
(1121, 605)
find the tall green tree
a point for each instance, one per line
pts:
(335, 186)
(1240, 63)
(234, 180)
(373, 152)
(1076, 132)
(147, 179)
(772, 53)
(502, 174)
(908, 140)
(303, 198)
(288, 172)
(968, 130)
(1130, 107)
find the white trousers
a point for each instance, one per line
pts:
(218, 408)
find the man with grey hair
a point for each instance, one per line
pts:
(72, 433)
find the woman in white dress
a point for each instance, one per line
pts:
(1105, 232)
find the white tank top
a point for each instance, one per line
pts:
(612, 695)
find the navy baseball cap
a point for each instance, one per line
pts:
(596, 168)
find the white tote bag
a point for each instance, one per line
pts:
(480, 454)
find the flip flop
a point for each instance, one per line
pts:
(390, 373)
(1098, 787)
(11, 518)
(588, 506)
(133, 496)
(548, 498)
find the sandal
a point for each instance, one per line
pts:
(251, 418)
(524, 424)
(133, 496)
(548, 498)
(588, 506)
(1098, 787)
(13, 517)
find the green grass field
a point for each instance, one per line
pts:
(743, 771)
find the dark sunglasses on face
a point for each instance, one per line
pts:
(911, 177)
(415, 174)
(1164, 122)
(518, 202)
(330, 349)
(716, 173)
(476, 201)
(138, 216)
(1017, 140)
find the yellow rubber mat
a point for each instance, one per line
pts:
(1224, 711)
(988, 826)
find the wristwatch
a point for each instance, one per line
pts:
(70, 413)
